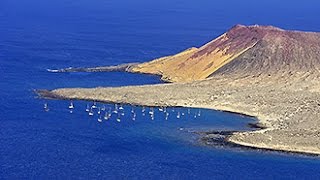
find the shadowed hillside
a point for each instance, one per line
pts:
(278, 51)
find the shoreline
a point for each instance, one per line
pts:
(121, 68)
(258, 127)
(233, 143)
(260, 71)
(219, 139)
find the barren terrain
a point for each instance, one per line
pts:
(260, 71)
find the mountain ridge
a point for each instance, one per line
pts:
(242, 50)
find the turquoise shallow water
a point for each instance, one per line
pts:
(36, 35)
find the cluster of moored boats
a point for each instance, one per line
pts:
(105, 113)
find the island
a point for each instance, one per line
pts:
(261, 71)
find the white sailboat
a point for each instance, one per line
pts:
(178, 115)
(90, 112)
(134, 117)
(115, 109)
(143, 111)
(106, 116)
(100, 119)
(118, 118)
(71, 106)
(151, 111)
(94, 106)
(167, 116)
(87, 108)
(46, 107)
(199, 113)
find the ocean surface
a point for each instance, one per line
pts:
(56, 144)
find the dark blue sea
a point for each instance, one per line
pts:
(36, 35)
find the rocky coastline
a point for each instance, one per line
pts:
(290, 115)
(260, 71)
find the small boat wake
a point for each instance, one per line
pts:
(53, 70)
(69, 69)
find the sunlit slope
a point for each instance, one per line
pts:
(246, 50)
(199, 63)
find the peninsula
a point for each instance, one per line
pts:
(262, 71)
